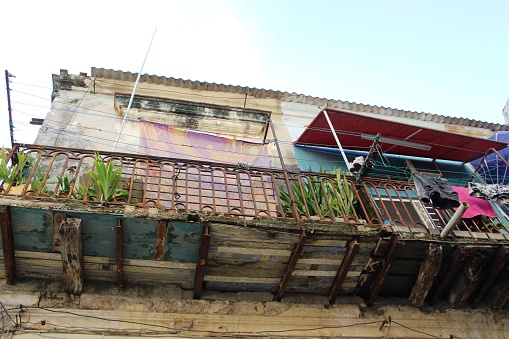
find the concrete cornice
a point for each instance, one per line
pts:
(294, 97)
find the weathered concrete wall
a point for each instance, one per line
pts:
(169, 310)
(85, 116)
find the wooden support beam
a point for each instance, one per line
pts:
(429, 269)
(71, 248)
(201, 265)
(497, 264)
(8, 244)
(394, 246)
(290, 266)
(58, 217)
(499, 292)
(162, 231)
(446, 273)
(468, 280)
(120, 253)
(353, 248)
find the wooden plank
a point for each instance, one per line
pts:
(119, 252)
(71, 248)
(447, 272)
(255, 251)
(314, 273)
(160, 264)
(8, 244)
(22, 262)
(271, 245)
(291, 265)
(468, 279)
(38, 255)
(201, 264)
(160, 271)
(319, 261)
(213, 264)
(499, 293)
(243, 272)
(394, 246)
(429, 269)
(252, 280)
(342, 272)
(497, 264)
(224, 232)
(326, 243)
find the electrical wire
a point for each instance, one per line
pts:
(113, 116)
(28, 94)
(403, 170)
(31, 85)
(222, 333)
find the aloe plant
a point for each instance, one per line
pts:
(106, 177)
(316, 195)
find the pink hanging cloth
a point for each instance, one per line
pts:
(477, 206)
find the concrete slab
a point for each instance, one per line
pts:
(479, 235)
(496, 236)
(462, 234)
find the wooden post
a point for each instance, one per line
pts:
(71, 248)
(120, 253)
(394, 246)
(161, 240)
(468, 279)
(499, 292)
(201, 265)
(499, 261)
(353, 248)
(8, 244)
(429, 269)
(446, 272)
(290, 266)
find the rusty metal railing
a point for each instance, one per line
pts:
(208, 187)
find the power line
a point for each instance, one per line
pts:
(222, 333)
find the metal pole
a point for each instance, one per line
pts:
(285, 174)
(335, 136)
(132, 94)
(11, 126)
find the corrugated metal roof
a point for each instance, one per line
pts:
(294, 97)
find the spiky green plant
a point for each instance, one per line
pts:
(16, 174)
(106, 177)
(319, 195)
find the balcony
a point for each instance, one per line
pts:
(247, 193)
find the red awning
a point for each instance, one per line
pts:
(351, 127)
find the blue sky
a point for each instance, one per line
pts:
(442, 57)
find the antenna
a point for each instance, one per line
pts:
(132, 94)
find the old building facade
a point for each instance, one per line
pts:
(235, 212)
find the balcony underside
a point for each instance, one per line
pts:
(204, 251)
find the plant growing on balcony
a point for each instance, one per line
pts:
(64, 185)
(328, 197)
(106, 177)
(15, 174)
(80, 191)
(37, 182)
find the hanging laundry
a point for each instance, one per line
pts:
(438, 191)
(476, 206)
(490, 192)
